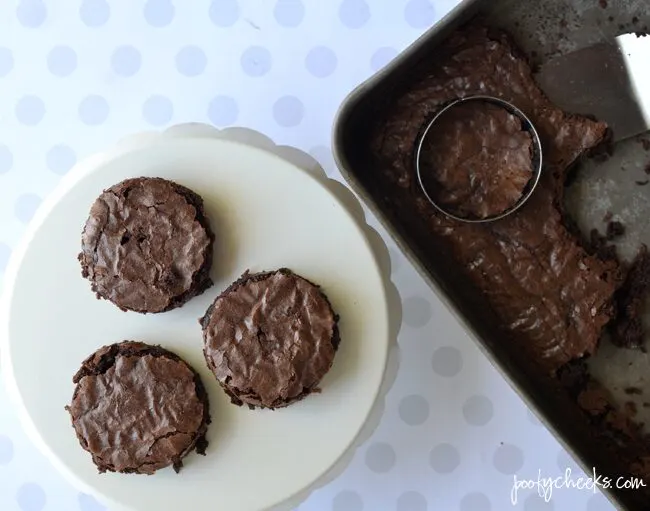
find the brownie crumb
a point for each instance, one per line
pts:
(631, 391)
(605, 150)
(573, 377)
(603, 4)
(647, 169)
(645, 143)
(608, 216)
(627, 328)
(615, 230)
(630, 408)
(599, 245)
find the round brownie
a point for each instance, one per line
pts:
(477, 160)
(270, 338)
(147, 245)
(138, 408)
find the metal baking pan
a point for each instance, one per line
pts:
(542, 29)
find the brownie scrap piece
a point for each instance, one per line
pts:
(627, 330)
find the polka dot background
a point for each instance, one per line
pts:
(76, 76)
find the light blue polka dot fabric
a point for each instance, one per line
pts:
(61, 61)
(77, 75)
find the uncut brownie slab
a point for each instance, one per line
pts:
(147, 245)
(138, 408)
(551, 296)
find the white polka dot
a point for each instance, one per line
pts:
(30, 110)
(224, 13)
(256, 61)
(93, 110)
(444, 458)
(599, 502)
(223, 111)
(62, 61)
(6, 159)
(30, 497)
(508, 459)
(380, 458)
(411, 501)
(126, 61)
(354, 13)
(159, 13)
(6, 61)
(536, 503)
(478, 410)
(321, 61)
(6, 445)
(382, 57)
(88, 503)
(475, 501)
(191, 61)
(564, 461)
(94, 13)
(26, 206)
(414, 410)
(60, 159)
(420, 13)
(447, 361)
(416, 311)
(157, 110)
(31, 13)
(289, 13)
(347, 500)
(288, 111)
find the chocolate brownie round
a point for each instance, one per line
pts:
(147, 245)
(270, 338)
(477, 160)
(138, 408)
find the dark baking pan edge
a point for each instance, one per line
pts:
(571, 438)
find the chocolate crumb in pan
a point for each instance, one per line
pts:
(627, 330)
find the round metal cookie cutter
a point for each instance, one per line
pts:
(537, 157)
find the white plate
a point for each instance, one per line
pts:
(267, 213)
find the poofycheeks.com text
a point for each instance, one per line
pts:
(545, 486)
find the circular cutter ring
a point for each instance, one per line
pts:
(527, 125)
